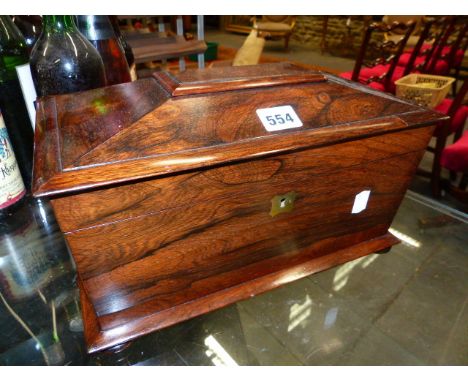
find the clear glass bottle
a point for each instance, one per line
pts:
(63, 60)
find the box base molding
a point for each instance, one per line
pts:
(98, 339)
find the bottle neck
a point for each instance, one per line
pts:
(96, 28)
(58, 23)
(9, 31)
(115, 26)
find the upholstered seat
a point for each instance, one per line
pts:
(377, 71)
(455, 156)
(458, 113)
(446, 51)
(389, 52)
(441, 66)
(458, 119)
(276, 26)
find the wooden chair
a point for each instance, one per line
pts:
(417, 59)
(380, 69)
(455, 158)
(449, 52)
(275, 27)
(414, 38)
(457, 110)
(457, 52)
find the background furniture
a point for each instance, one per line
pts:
(457, 111)
(417, 58)
(161, 45)
(455, 158)
(395, 37)
(275, 27)
(380, 57)
(237, 23)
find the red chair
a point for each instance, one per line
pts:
(380, 73)
(436, 30)
(455, 158)
(415, 59)
(450, 50)
(457, 110)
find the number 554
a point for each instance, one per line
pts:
(279, 119)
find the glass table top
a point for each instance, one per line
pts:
(405, 307)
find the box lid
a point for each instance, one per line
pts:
(170, 123)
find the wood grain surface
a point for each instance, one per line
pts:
(291, 266)
(112, 204)
(137, 130)
(164, 187)
(161, 256)
(240, 78)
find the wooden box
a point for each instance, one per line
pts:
(176, 198)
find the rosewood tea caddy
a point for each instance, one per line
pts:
(180, 194)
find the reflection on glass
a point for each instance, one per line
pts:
(39, 311)
(330, 318)
(299, 313)
(407, 240)
(342, 274)
(218, 355)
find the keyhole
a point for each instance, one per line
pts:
(282, 203)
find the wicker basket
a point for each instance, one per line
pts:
(424, 89)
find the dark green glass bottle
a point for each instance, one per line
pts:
(63, 60)
(30, 27)
(15, 99)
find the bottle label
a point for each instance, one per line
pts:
(28, 89)
(11, 183)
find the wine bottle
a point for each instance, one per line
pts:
(30, 27)
(12, 188)
(63, 60)
(98, 30)
(126, 47)
(17, 95)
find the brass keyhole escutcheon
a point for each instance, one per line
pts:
(282, 203)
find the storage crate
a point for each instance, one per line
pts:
(424, 89)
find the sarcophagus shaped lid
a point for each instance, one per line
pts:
(170, 123)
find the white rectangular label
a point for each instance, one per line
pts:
(279, 118)
(28, 89)
(360, 202)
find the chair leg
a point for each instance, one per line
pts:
(454, 83)
(453, 176)
(436, 169)
(463, 182)
(435, 182)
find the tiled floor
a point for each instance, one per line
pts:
(405, 307)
